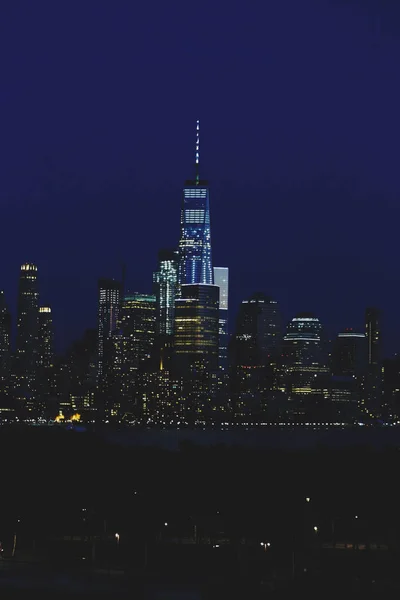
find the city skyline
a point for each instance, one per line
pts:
(300, 149)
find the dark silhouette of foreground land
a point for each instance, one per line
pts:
(80, 513)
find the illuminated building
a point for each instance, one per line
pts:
(27, 335)
(304, 362)
(196, 327)
(108, 314)
(195, 262)
(5, 346)
(135, 341)
(221, 279)
(196, 340)
(165, 283)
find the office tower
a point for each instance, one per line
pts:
(258, 329)
(27, 335)
(45, 369)
(195, 262)
(5, 346)
(197, 328)
(45, 355)
(135, 341)
(196, 340)
(108, 313)
(348, 370)
(254, 346)
(372, 332)
(165, 284)
(373, 379)
(221, 279)
(306, 375)
(348, 354)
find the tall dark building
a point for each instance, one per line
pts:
(46, 356)
(258, 329)
(5, 346)
(45, 372)
(27, 335)
(195, 260)
(373, 379)
(165, 287)
(348, 372)
(373, 334)
(108, 315)
(348, 355)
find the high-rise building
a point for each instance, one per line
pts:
(45, 356)
(258, 329)
(305, 364)
(27, 334)
(5, 346)
(348, 370)
(372, 332)
(348, 355)
(253, 348)
(135, 341)
(196, 328)
(221, 279)
(195, 260)
(165, 284)
(45, 371)
(108, 315)
(373, 379)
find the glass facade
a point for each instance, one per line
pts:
(27, 332)
(165, 284)
(221, 279)
(195, 261)
(108, 314)
(196, 327)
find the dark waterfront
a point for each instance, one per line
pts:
(261, 437)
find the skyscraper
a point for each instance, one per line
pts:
(197, 328)
(135, 340)
(165, 284)
(195, 261)
(221, 279)
(27, 333)
(258, 329)
(373, 379)
(108, 313)
(5, 346)
(45, 355)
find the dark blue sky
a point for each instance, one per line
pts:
(299, 108)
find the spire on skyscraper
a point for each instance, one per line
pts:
(197, 151)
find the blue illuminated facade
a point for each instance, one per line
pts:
(195, 260)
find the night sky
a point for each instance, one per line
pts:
(299, 105)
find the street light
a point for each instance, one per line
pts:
(265, 545)
(165, 524)
(315, 529)
(308, 499)
(117, 537)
